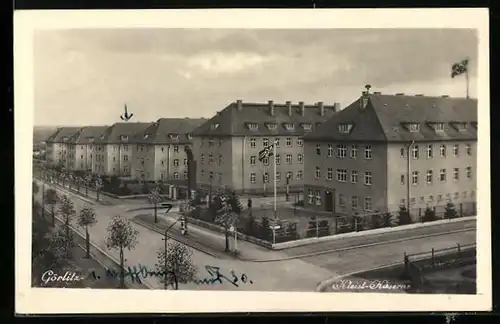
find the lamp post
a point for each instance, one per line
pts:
(165, 237)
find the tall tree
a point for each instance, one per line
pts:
(61, 244)
(154, 198)
(51, 199)
(121, 236)
(35, 189)
(177, 265)
(86, 218)
(67, 211)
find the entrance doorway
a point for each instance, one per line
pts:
(328, 200)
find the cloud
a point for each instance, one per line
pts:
(85, 76)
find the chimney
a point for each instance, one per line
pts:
(400, 94)
(321, 108)
(302, 108)
(239, 105)
(377, 92)
(289, 106)
(336, 107)
(364, 99)
(445, 96)
(271, 107)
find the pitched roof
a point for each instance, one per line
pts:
(113, 134)
(87, 134)
(63, 134)
(164, 131)
(385, 117)
(253, 119)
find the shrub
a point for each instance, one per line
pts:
(450, 211)
(382, 220)
(263, 231)
(403, 216)
(429, 215)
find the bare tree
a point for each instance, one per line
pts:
(86, 218)
(121, 236)
(178, 266)
(67, 211)
(154, 198)
(51, 200)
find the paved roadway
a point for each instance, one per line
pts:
(289, 274)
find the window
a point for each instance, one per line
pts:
(176, 148)
(440, 198)
(185, 161)
(125, 147)
(414, 127)
(289, 175)
(318, 197)
(252, 142)
(439, 127)
(472, 194)
(162, 162)
(307, 126)
(330, 174)
(266, 177)
(265, 161)
(252, 160)
(300, 157)
(211, 175)
(402, 153)
(220, 159)
(176, 175)
(202, 158)
(219, 142)
(300, 174)
(368, 152)
(368, 203)
(288, 126)
(300, 142)
(354, 176)
(442, 151)
(342, 151)
(252, 177)
(318, 149)
(210, 143)
(442, 175)
(278, 159)
(341, 175)
(265, 142)
(278, 176)
(341, 200)
(272, 126)
(310, 196)
(412, 201)
(354, 202)
(252, 126)
(288, 159)
(114, 158)
(354, 151)
(277, 142)
(414, 177)
(429, 151)
(318, 173)
(468, 172)
(345, 128)
(185, 175)
(428, 176)
(125, 158)
(176, 162)
(414, 152)
(288, 142)
(368, 178)
(330, 150)
(455, 150)
(210, 159)
(456, 174)
(402, 179)
(468, 149)
(422, 199)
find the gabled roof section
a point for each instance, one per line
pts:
(87, 135)
(51, 138)
(169, 131)
(64, 134)
(113, 134)
(388, 118)
(240, 118)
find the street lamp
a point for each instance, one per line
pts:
(165, 238)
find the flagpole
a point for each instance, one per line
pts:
(274, 164)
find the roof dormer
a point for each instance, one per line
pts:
(460, 126)
(189, 136)
(289, 126)
(252, 126)
(214, 126)
(124, 137)
(101, 137)
(412, 127)
(173, 136)
(272, 126)
(306, 126)
(345, 128)
(64, 138)
(91, 139)
(146, 136)
(438, 127)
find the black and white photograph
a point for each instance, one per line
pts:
(236, 159)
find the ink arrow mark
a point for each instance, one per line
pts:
(126, 116)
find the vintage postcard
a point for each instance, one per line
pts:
(252, 161)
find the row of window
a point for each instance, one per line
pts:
(265, 177)
(415, 151)
(341, 175)
(288, 159)
(211, 159)
(442, 175)
(439, 198)
(265, 142)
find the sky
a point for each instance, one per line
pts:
(86, 76)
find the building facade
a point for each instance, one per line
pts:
(113, 149)
(57, 146)
(384, 151)
(159, 151)
(227, 146)
(80, 147)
